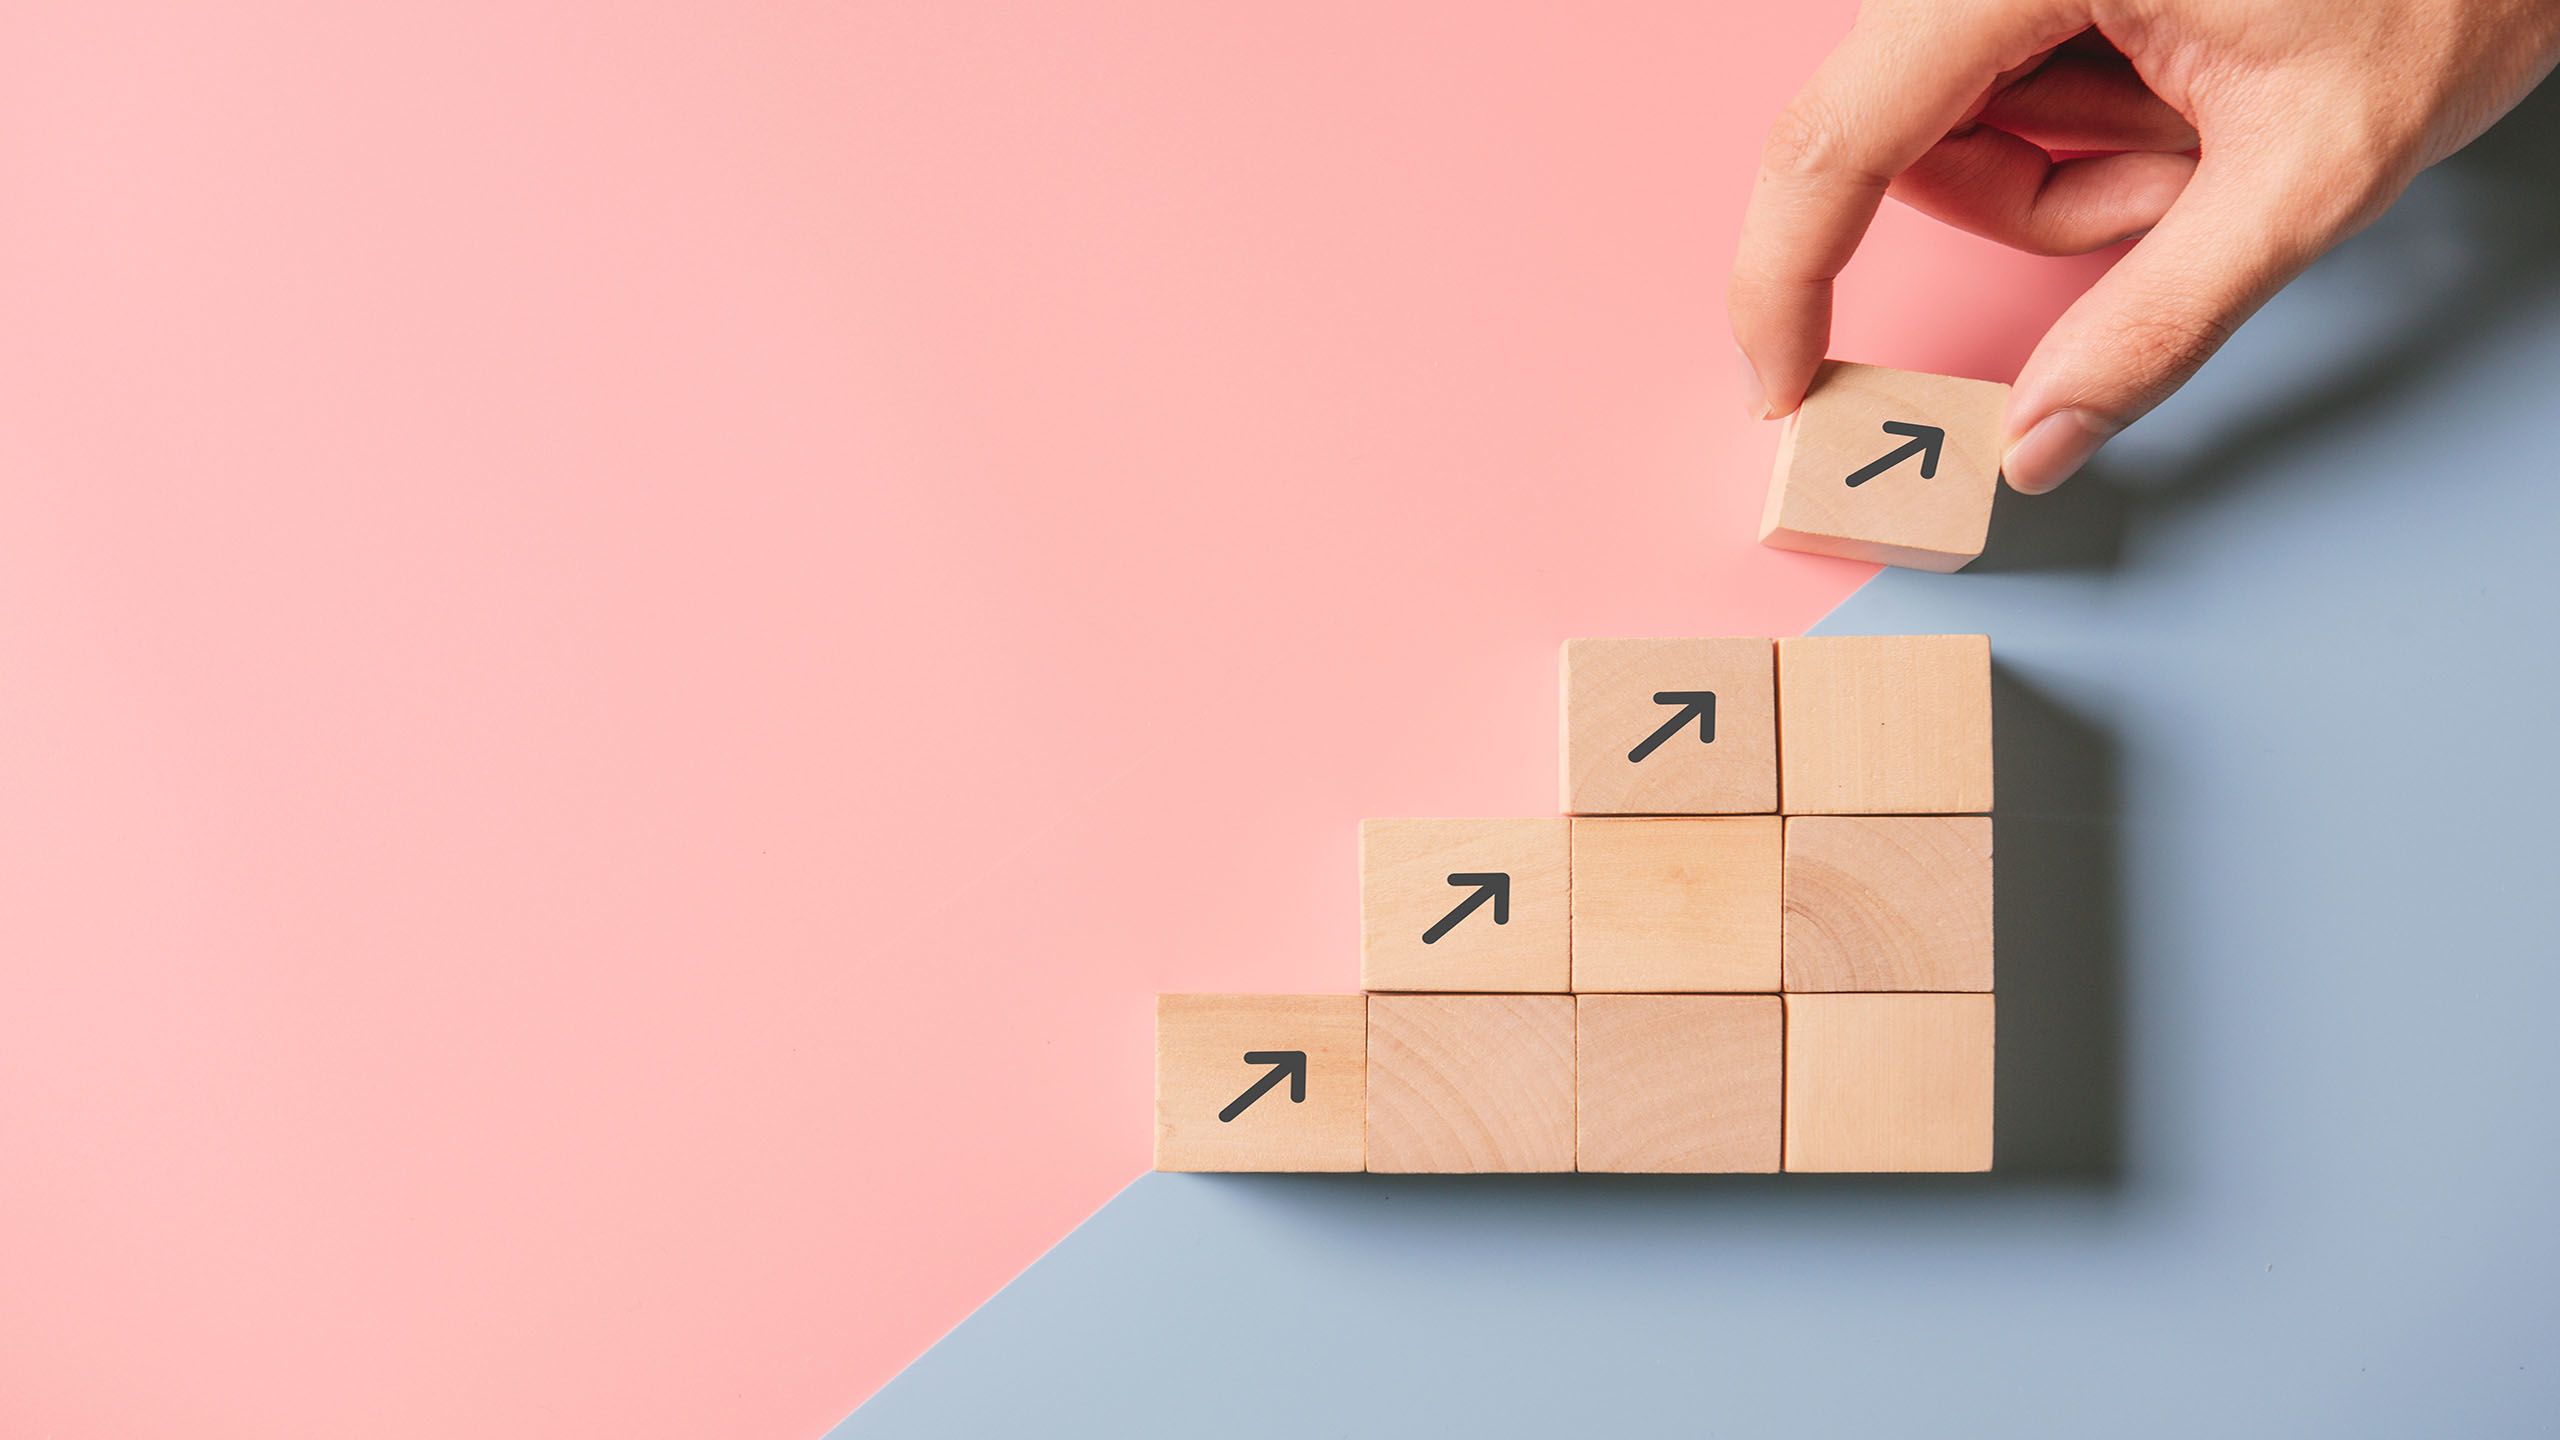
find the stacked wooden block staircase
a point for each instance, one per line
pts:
(1758, 939)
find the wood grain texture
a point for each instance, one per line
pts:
(1889, 1082)
(1470, 1084)
(1610, 712)
(1898, 516)
(1888, 902)
(1668, 905)
(1678, 1084)
(1201, 1042)
(1407, 893)
(1885, 724)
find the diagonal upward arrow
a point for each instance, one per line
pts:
(1924, 442)
(1694, 704)
(1288, 1064)
(1493, 885)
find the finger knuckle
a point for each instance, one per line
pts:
(2321, 198)
(1810, 141)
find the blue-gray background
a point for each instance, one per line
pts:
(2278, 1002)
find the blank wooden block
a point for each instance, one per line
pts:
(1261, 1082)
(1885, 724)
(1465, 905)
(1670, 727)
(1678, 1084)
(1470, 1084)
(1888, 902)
(1677, 905)
(1889, 1082)
(1889, 466)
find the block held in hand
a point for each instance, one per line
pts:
(1888, 466)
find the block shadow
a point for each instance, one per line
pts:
(2060, 1090)
(2059, 925)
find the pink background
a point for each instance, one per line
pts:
(633, 634)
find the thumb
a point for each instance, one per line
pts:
(2240, 231)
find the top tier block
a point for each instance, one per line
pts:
(1670, 727)
(1885, 724)
(1888, 466)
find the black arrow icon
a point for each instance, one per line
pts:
(1493, 885)
(1923, 441)
(1698, 703)
(1289, 1063)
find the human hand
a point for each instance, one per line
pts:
(2240, 138)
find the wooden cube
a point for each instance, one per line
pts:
(1889, 1082)
(1470, 1084)
(1888, 902)
(1889, 466)
(1885, 724)
(1678, 1084)
(1670, 727)
(1677, 905)
(1261, 1082)
(1478, 905)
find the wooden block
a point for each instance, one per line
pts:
(1670, 727)
(1677, 905)
(1885, 724)
(1470, 1084)
(1678, 1084)
(1889, 466)
(1478, 905)
(1889, 1082)
(1888, 902)
(1261, 1082)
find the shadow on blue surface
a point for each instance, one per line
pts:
(2278, 990)
(2060, 942)
(2490, 274)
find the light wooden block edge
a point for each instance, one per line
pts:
(1572, 1080)
(1366, 831)
(1156, 1080)
(1787, 1060)
(1776, 534)
(1793, 806)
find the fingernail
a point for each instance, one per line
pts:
(2053, 449)
(1755, 396)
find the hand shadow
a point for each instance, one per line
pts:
(2463, 255)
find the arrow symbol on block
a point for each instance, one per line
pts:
(1290, 1065)
(1493, 885)
(1924, 441)
(1697, 704)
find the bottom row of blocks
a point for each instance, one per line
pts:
(1439, 1084)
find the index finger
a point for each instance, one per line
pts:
(1891, 90)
